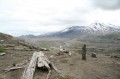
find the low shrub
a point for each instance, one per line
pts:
(2, 49)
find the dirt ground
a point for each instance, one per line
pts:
(13, 57)
(102, 67)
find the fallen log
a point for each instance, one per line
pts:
(16, 66)
(43, 60)
(48, 76)
(13, 68)
(58, 71)
(29, 72)
(2, 54)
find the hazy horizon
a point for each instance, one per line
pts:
(23, 17)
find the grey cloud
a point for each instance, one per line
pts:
(107, 4)
(75, 17)
(70, 21)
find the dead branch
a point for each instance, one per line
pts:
(48, 76)
(58, 71)
(13, 68)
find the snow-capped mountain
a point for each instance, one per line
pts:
(94, 28)
(77, 31)
(101, 27)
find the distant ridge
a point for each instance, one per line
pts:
(77, 31)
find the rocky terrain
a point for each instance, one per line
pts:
(106, 46)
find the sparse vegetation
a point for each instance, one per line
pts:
(54, 48)
(2, 49)
(44, 45)
(66, 77)
(112, 36)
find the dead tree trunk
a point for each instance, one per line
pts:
(38, 60)
(29, 72)
(43, 60)
(28, 45)
(84, 52)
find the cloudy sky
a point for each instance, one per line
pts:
(18, 17)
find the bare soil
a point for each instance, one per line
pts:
(73, 67)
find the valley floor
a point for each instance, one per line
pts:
(102, 67)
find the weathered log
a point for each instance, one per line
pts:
(48, 76)
(2, 54)
(84, 52)
(58, 71)
(13, 68)
(29, 72)
(40, 60)
(43, 60)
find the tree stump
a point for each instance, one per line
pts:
(84, 52)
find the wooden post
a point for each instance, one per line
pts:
(84, 52)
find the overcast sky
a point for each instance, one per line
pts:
(18, 17)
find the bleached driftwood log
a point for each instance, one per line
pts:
(29, 72)
(58, 71)
(2, 54)
(48, 76)
(17, 66)
(13, 68)
(43, 60)
(40, 60)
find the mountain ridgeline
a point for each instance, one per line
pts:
(78, 31)
(7, 38)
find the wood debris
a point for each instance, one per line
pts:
(2, 54)
(38, 60)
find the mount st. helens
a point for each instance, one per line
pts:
(77, 31)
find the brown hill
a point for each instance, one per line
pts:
(5, 38)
